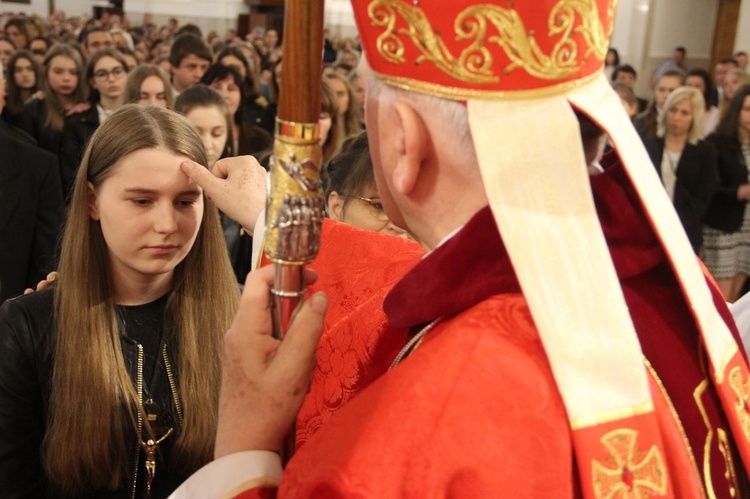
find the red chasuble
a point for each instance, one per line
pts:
(475, 410)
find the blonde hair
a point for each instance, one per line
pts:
(93, 402)
(699, 108)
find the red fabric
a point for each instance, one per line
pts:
(356, 269)
(433, 40)
(475, 410)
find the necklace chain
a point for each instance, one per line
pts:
(414, 343)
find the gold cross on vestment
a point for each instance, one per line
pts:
(628, 472)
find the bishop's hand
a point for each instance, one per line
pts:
(265, 380)
(237, 185)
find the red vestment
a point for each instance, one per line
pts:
(475, 410)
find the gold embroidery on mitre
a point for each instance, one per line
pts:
(628, 472)
(741, 388)
(474, 63)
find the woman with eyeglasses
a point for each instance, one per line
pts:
(106, 73)
(351, 192)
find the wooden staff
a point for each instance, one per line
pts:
(296, 208)
(295, 205)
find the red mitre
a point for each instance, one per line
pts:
(461, 49)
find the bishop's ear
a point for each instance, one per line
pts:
(413, 147)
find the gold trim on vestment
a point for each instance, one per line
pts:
(464, 94)
(697, 394)
(725, 360)
(676, 417)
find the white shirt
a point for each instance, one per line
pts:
(669, 162)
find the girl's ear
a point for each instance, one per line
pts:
(93, 207)
(336, 206)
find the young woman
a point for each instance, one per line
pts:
(206, 109)
(208, 112)
(247, 138)
(106, 72)
(256, 110)
(109, 381)
(726, 251)
(63, 89)
(734, 79)
(686, 164)
(147, 84)
(18, 30)
(22, 82)
(700, 79)
(351, 192)
(348, 108)
(331, 122)
(611, 61)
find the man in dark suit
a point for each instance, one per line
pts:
(31, 208)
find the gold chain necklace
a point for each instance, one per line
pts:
(414, 343)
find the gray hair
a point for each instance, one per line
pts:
(449, 115)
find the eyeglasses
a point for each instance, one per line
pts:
(376, 208)
(103, 74)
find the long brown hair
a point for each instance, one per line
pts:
(93, 401)
(329, 104)
(14, 99)
(350, 117)
(55, 118)
(136, 77)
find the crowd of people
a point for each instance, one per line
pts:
(66, 76)
(70, 86)
(696, 136)
(134, 160)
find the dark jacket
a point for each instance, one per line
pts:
(726, 212)
(27, 345)
(30, 213)
(76, 133)
(32, 120)
(697, 179)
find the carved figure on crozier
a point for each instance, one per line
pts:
(305, 173)
(299, 222)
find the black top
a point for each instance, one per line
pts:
(30, 213)
(27, 337)
(32, 120)
(697, 179)
(77, 131)
(726, 212)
